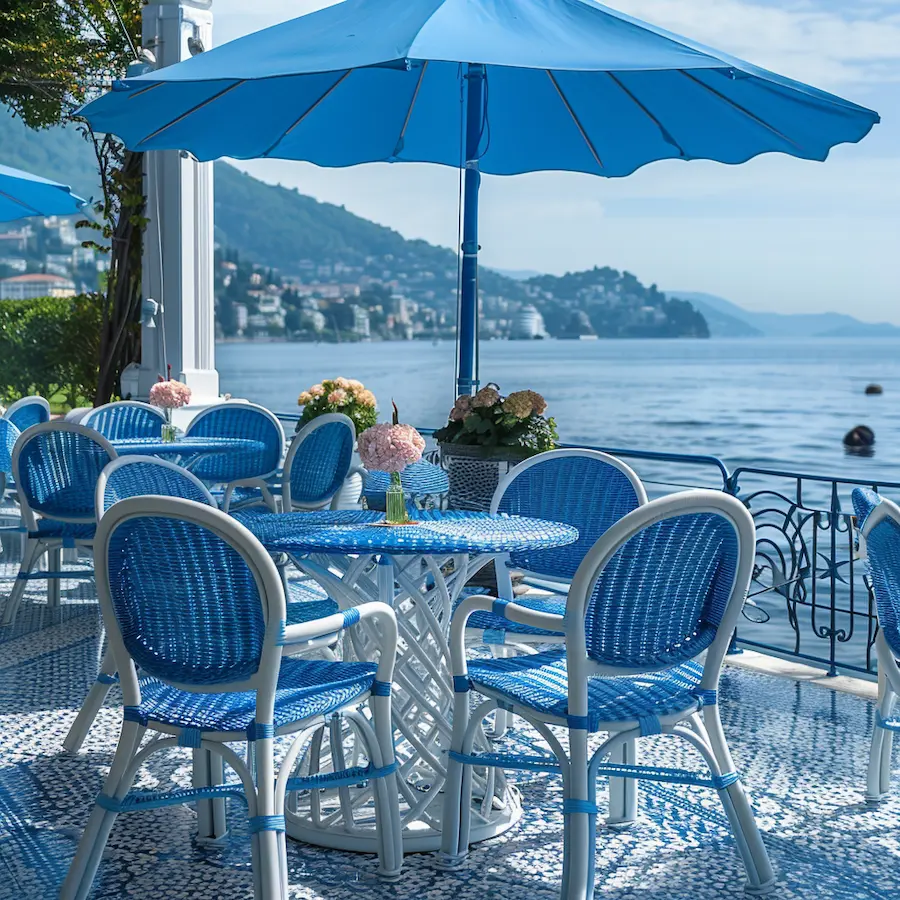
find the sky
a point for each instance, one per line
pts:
(776, 234)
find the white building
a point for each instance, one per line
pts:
(361, 321)
(27, 287)
(528, 324)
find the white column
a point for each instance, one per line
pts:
(178, 244)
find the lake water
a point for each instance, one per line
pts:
(763, 403)
(758, 403)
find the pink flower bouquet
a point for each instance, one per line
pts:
(390, 448)
(170, 394)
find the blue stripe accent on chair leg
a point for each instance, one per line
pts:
(266, 823)
(257, 731)
(190, 737)
(381, 688)
(461, 684)
(574, 807)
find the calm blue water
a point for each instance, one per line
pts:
(758, 403)
(764, 403)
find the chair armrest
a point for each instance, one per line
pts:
(259, 483)
(384, 636)
(509, 610)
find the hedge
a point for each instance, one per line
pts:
(49, 346)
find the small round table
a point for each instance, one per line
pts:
(420, 570)
(186, 451)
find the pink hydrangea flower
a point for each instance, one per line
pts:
(304, 398)
(337, 396)
(317, 390)
(487, 396)
(170, 394)
(390, 448)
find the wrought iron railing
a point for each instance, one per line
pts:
(810, 599)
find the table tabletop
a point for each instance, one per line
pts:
(184, 446)
(436, 531)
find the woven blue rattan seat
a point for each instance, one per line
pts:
(540, 682)
(83, 531)
(307, 601)
(305, 688)
(496, 626)
(118, 421)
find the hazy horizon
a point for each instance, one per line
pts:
(776, 234)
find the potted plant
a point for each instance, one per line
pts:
(354, 400)
(488, 434)
(339, 395)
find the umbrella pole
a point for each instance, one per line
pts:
(467, 326)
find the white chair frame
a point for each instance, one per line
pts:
(703, 730)
(35, 547)
(265, 787)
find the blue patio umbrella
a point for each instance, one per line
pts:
(491, 86)
(23, 194)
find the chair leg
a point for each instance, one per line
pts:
(209, 770)
(623, 792)
(54, 584)
(878, 781)
(268, 843)
(96, 697)
(578, 831)
(502, 718)
(760, 875)
(31, 553)
(457, 791)
(84, 867)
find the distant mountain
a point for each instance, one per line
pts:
(727, 319)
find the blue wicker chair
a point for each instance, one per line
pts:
(664, 584)
(879, 523)
(56, 466)
(203, 616)
(126, 419)
(28, 411)
(318, 463)
(587, 489)
(9, 434)
(245, 468)
(141, 476)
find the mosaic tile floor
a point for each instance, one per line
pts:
(801, 748)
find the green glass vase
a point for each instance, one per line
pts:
(395, 503)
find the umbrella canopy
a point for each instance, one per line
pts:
(23, 194)
(568, 85)
(496, 86)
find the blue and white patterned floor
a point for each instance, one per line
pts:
(801, 748)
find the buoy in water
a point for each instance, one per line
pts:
(872, 389)
(861, 436)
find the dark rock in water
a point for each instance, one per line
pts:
(861, 436)
(872, 389)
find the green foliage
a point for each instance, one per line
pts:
(49, 346)
(357, 403)
(494, 427)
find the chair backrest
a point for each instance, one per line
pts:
(125, 419)
(9, 434)
(56, 466)
(140, 476)
(881, 532)
(189, 595)
(665, 583)
(318, 461)
(586, 489)
(238, 420)
(29, 411)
